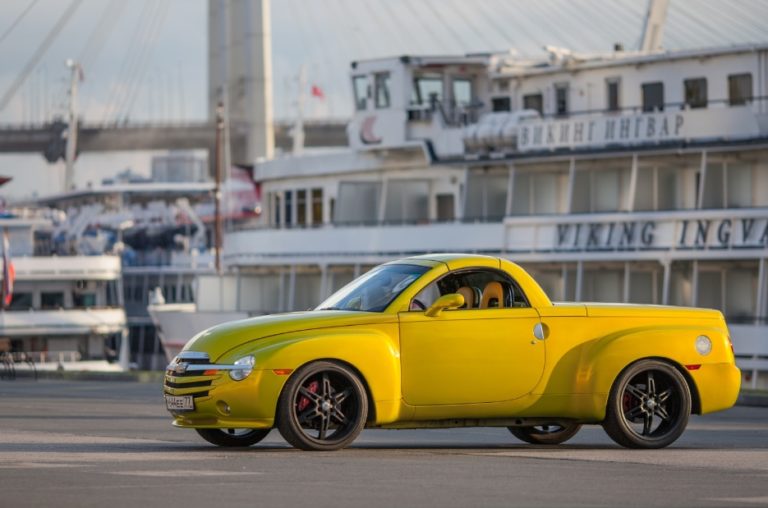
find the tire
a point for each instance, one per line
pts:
(233, 437)
(552, 434)
(323, 407)
(648, 406)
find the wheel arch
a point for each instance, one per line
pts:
(371, 416)
(692, 388)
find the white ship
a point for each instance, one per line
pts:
(65, 311)
(157, 230)
(625, 177)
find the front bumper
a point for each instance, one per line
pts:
(219, 401)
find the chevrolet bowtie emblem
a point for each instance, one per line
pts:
(180, 368)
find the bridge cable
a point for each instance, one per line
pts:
(145, 56)
(39, 53)
(118, 88)
(97, 40)
(17, 21)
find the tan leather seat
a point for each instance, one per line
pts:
(493, 296)
(469, 296)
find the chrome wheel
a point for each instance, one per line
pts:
(549, 434)
(649, 406)
(322, 407)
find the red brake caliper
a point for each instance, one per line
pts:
(303, 401)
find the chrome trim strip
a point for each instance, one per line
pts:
(213, 366)
(181, 367)
(193, 355)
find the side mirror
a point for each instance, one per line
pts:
(445, 302)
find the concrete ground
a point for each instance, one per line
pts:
(95, 443)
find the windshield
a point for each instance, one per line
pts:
(375, 290)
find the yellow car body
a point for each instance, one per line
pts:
(527, 364)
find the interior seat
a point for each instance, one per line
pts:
(469, 297)
(493, 296)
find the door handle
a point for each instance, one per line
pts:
(540, 331)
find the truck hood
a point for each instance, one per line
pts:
(221, 338)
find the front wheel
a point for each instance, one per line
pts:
(648, 406)
(551, 434)
(323, 407)
(233, 437)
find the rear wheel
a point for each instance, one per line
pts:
(323, 407)
(649, 406)
(233, 437)
(551, 434)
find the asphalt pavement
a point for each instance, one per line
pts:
(94, 443)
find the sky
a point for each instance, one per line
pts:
(146, 60)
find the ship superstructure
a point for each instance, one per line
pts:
(626, 177)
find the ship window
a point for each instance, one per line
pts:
(51, 300)
(486, 195)
(277, 207)
(739, 89)
(445, 207)
(360, 87)
(501, 104)
(653, 96)
(462, 91)
(739, 185)
(612, 92)
(381, 82)
(534, 101)
(301, 207)
(358, 202)
(407, 201)
(427, 89)
(21, 301)
(317, 206)
(288, 207)
(695, 92)
(111, 291)
(84, 299)
(561, 98)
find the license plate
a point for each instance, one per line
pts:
(179, 403)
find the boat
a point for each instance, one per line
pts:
(156, 229)
(60, 311)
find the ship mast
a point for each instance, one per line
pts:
(71, 151)
(218, 225)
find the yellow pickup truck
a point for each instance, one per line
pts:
(453, 340)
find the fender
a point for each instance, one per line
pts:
(608, 356)
(371, 351)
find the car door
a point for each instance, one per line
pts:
(471, 355)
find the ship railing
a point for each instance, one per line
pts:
(7, 367)
(460, 116)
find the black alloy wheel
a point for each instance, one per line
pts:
(323, 407)
(549, 434)
(649, 406)
(233, 437)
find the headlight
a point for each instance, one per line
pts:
(247, 363)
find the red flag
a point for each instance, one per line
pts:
(317, 92)
(9, 273)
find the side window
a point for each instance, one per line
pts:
(360, 88)
(481, 289)
(381, 90)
